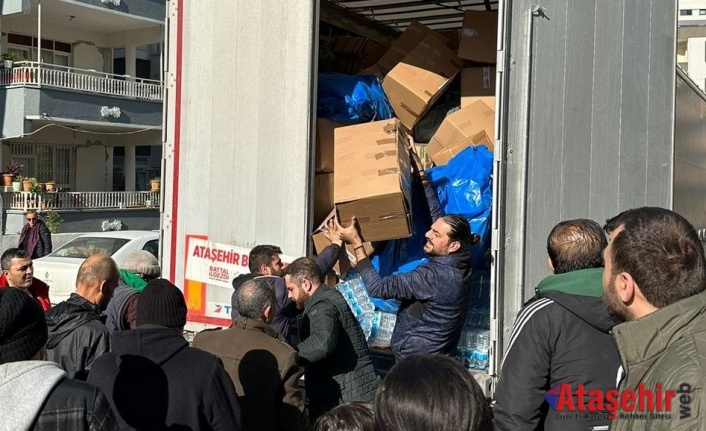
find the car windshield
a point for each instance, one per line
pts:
(86, 246)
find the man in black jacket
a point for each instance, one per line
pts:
(35, 394)
(155, 381)
(338, 368)
(77, 336)
(561, 337)
(265, 263)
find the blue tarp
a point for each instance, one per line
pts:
(351, 99)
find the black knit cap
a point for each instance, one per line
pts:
(161, 303)
(23, 327)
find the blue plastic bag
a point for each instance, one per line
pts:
(351, 99)
(463, 187)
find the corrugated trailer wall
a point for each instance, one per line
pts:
(595, 125)
(690, 152)
(243, 124)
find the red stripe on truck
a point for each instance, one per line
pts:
(177, 139)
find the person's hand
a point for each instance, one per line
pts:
(332, 232)
(350, 234)
(417, 166)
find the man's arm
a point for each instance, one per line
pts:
(329, 256)
(291, 412)
(432, 198)
(419, 284)
(323, 337)
(46, 239)
(525, 371)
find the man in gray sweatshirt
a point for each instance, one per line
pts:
(35, 393)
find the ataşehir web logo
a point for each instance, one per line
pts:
(644, 403)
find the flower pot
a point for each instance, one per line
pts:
(7, 64)
(7, 179)
(26, 186)
(50, 186)
(17, 186)
(154, 185)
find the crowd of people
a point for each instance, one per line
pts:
(623, 311)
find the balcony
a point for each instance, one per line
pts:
(30, 73)
(80, 200)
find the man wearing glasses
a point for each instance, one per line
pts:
(35, 238)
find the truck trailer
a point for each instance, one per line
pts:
(593, 117)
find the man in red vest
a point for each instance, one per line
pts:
(17, 271)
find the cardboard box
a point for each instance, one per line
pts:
(413, 35)
(473, 125)
(479, 37)
(323, 161)
(323, 197)
(478, 83)
(355, 53)
(347, 258)
(415, 83)
(454, 37)
(373, 179)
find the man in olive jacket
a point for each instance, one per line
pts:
(263, 367)
(333, 347)
(653, 281)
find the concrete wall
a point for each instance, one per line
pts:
(80, 221)
(95, 167)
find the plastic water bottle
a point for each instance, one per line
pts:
(480, 352)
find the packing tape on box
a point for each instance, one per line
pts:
(387, 153)
(386, 141)
(389, 128)
(388, 171)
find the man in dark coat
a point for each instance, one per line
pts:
(264, 368)
(333, 347)
(265, 263)
(562, 336)
(154, 380)
(77, 336)
(35, 394)
(35, 238)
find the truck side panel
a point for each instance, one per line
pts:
(690, 152)
(241, 135)
(592, 133)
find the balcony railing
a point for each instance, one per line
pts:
(90, 81)
(80, 200)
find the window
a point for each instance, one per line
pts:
(47, 162)
(53, 52)
(83, 247)
(685, 12)
(152, 247)
(702, 11)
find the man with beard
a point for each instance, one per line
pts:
(434, 296)
(266, 264)
(562, 336)
(77, 336)
(338, 368)
(653, 281)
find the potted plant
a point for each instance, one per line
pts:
(17, 183)
(8, 59)
(10, 173)
(34, 186)
(155, 184)
(51, 185)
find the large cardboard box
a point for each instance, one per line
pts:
(323, 160)
(323, 197)
(372, 180)
(347, 258)
(415, 83)
(479, 37)
(472, 125)
(478, 83)
(413, 35)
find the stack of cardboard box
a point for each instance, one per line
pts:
(364, 169)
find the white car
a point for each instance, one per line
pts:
(59, 269)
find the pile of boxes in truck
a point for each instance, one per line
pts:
(364, 169)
